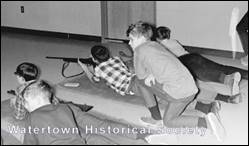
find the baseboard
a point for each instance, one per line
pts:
(213, 52)
(51, 34)
(192, 49)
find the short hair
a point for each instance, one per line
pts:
(100, 53)
(28, 71)
(40, 87)
(141, 28)
(163, 32)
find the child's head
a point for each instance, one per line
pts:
(37, 94)
(100, 53)
(26, 72)
(162, 33)
(139, 33)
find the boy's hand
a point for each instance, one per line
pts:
(11, 92)
(150, 80)
(79, 62)
(84, 67)
(13, 99)
(87, 71)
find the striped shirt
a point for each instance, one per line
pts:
(115, 73)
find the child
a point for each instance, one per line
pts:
(119, 78)
(220, 71)
(26, 73)
(171, 80)
(46, 119)
(203, 68)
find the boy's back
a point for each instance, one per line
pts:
(165, 67)
(55, 124)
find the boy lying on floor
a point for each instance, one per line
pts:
(27, 73)
(204, 69)
(46, 119)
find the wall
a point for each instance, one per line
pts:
(201, 24)
(59, 16)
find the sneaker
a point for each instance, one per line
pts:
(160, 139)
(150, 122)
(215, 108)
(216, 105)
(233, 81)
(244, 60)
(216, 126)
(235, 99)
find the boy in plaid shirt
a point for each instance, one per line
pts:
(119, 78)
(26, 73)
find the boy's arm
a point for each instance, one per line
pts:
(128, 65)
(89, 74)
(20, 110)
(89, 121)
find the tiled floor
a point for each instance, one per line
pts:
(16, 48)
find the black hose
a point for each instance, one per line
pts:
(64, 66)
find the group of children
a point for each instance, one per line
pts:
(163, 70)
(35, 102)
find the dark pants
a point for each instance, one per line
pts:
(207, 70)
(173, 115)
(242, 29)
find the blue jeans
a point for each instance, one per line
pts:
(173, 116)
(207, 70)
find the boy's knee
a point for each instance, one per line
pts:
(168, 123)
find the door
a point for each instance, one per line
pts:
(118, 15)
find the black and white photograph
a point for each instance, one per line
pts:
(124, 72)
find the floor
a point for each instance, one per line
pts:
(17, 48)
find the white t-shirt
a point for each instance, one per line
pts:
(174, 46)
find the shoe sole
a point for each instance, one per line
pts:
(216, 109)
(217, 127)
(235, 87)
(150, 125)
(239, 98)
